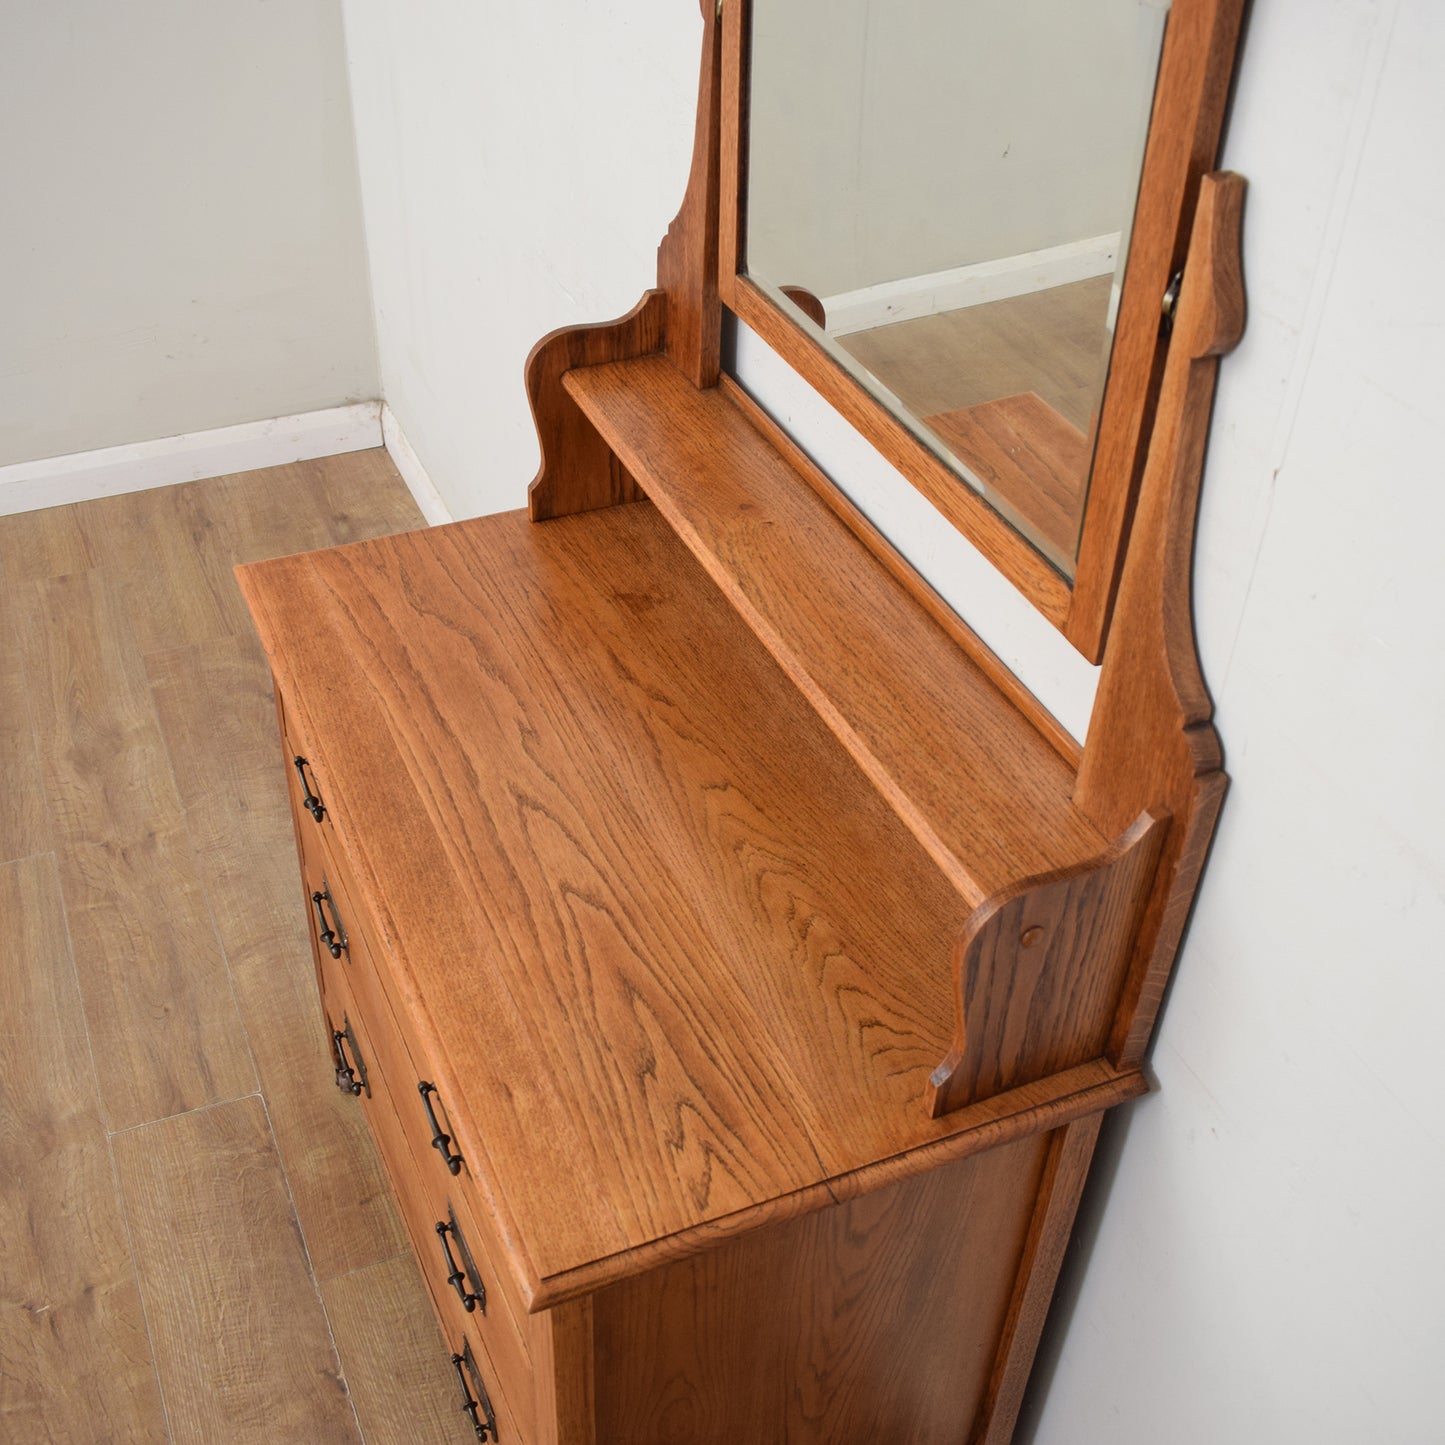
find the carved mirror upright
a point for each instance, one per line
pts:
(738, 960)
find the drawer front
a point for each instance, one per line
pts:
(485, 1409)
(372, 1060)
(402, 1055)
(424, 1114)
(306, 775)
(496, 1348)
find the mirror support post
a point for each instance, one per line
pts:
(1151, 741)
(687, 258)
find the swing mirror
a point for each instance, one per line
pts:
(959, 219)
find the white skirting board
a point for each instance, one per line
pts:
(419, 484)
(916, 296)
(83, 476)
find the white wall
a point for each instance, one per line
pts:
(519, 165)
(880, 151)
(181, 245)
(1268, 1265)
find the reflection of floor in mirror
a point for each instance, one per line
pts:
(1049, 342)
(1029, 460)
(1011, 387)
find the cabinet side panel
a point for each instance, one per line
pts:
(562, 1355)
(879, 1318)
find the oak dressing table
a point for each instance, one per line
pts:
(733, 961)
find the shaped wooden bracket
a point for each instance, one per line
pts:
(579, 472)
(1039, 968)
(681, 316)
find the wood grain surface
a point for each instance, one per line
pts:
(839, 1326)
(33, 546)
(986, 796)
(903, 572)
(564, 1353)
(1152, 733)
(597, 877)
(578, 472)
(687, 267)
(395, 1358)
(24, 826)
(426, 1194)
(170, 580)
(1191, 94)
(1066, 1166)
(138, 776)
(157, 990)
(240, 828)
(1030, 460)
(104, 770)
(707, 967)
(45, 543)
(241, 1342)
(155, 985)
(1039, 971)
(75, 1362)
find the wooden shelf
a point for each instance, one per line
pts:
(983, 791)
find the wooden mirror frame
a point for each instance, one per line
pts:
(1195, 69)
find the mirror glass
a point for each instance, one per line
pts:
(941, 192)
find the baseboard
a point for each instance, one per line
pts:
(916, 296)
(83, 476)
(419, 484)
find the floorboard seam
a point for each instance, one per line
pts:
(311, 1271)
(183, 1114)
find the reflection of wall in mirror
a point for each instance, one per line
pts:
(894, 139)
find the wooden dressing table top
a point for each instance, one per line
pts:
(679, 963)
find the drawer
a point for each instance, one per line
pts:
(305, 773)
(483, 1404)
(400, 1054)
(370, 1058)
(497, 1355)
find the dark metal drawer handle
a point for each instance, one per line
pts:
(486, 1430)
(332, 939)
(347, 1079)
(440, 1140)
(310, 801)
(456, 1276)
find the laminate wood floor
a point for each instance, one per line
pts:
(196, 1241)
(1050, 342)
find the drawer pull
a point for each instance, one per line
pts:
(347, 1079)
(440, 1140)
(309, 801)
(475, 1407)
(458, 1278)
(333, 940)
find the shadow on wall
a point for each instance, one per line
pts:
(1103, 1171)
